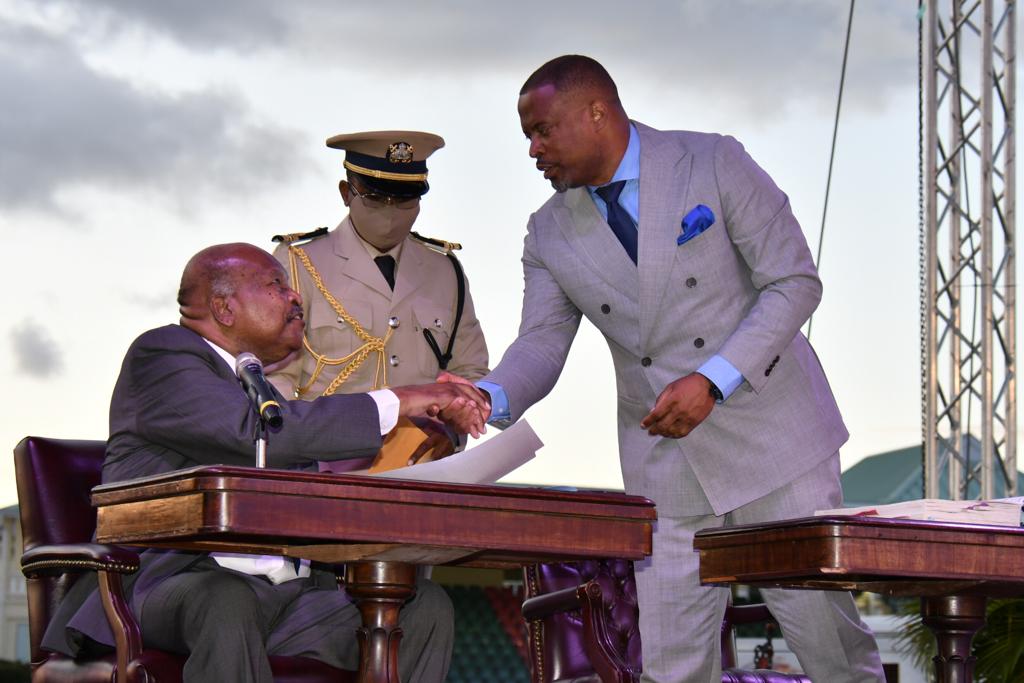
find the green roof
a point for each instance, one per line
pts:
(897, 475)
(884, 478)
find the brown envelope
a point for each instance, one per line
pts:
(399, 444)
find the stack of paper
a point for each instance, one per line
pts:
(482, 464)
(1000, 512)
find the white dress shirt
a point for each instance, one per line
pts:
(279, 569)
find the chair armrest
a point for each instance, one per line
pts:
(735, 615)
(548, 604)
(50, 559)
(109, 562)
(601, 649)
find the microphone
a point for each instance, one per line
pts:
(249, 369)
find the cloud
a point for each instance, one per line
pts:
(152, 301)
(66, 125)
(740, 53)
(241, 25)
(35, 352)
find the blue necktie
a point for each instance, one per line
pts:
(618, 218)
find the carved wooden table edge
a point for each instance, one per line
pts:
(895, 556)
(330, 517)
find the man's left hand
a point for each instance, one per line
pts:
(438, 442)
(681, 407)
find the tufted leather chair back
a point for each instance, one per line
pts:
(557, 646)
(54, 478)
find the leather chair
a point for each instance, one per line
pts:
(54, 478)
(583, 624)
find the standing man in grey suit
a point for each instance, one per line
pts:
(687, 257)
(177, 403)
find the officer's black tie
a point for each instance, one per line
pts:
(618, 218)
(386, 264)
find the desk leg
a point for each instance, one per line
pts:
(380, 589)
(954, 620)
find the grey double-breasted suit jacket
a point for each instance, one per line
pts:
(177, 404)
(741, 289)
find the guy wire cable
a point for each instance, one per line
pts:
(832, 153)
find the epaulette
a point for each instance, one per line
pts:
(299, 236)
(440, 246)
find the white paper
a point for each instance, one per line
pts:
(483, 464)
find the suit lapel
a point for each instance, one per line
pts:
(583, 226)
(664, 185)
(358, 264)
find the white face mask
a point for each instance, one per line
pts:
(382, 225)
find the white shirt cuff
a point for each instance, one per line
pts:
(387, 408)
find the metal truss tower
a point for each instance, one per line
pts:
(968, 248)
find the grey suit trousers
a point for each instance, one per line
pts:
(228, 623)
(823, 628)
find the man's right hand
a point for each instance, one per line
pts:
(445, 377)
(462, 406)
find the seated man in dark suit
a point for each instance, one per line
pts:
(177, 403)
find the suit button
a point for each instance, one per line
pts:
(606, 309)
(698, 342)
(645, 361)
(691, 282)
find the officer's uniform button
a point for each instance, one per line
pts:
(691, 282)
(437, 323)
(341, 321)
(606, 309)
(394, 361)
(645, 361)
(698, 342)
(393, 321)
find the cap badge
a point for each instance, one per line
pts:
(400, 153)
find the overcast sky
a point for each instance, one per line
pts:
(135, 133)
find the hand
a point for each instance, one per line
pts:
(462, 417)
(461, 406)
(681, 407)
(438, 443)
(446, 377)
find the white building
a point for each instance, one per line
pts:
(14, 639)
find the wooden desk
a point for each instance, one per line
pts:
(953, 568)
(381, 527)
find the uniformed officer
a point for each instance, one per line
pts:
(383, 306)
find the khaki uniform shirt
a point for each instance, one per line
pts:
(424, 298)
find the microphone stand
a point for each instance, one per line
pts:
(261, 442)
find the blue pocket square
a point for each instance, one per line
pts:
(697, 221)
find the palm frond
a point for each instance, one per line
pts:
(998, 648)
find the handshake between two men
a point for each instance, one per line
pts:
(238, 299)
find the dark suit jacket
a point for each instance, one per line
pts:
(177, 404)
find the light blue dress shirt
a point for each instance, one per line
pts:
(717, 369)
